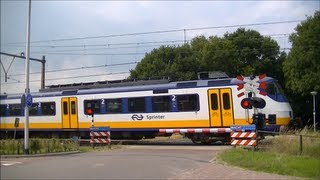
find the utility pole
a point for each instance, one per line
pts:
(27, 90)
(42, 61)
(314, 93)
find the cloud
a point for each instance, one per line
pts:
(71, 19)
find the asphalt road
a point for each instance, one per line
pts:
(135, 161)
(130, 162)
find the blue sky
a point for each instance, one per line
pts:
(52, 20)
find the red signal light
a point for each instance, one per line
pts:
(89, 111)
(246, 103)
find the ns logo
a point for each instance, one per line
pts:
(138, 117)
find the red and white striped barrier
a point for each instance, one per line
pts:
(100, 135)
(100, 141)
(243, 138)
(244, 142)
(243, 135)
(197, 130)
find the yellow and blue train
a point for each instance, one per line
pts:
(142, 110)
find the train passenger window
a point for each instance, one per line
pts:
(114, 106)
(65, 108)
(161, 104)
(33, 109)
(226, 100)
(214, 101)
(48, 108)
(93, 104)
(3, 108)
(73, 107)
(14, 110)
(188, 102)
(136, 104)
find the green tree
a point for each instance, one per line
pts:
(244, 52)
(302, 66)
(256, 54)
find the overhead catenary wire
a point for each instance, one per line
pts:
(160, 32)
(73, 77)
(77, 68)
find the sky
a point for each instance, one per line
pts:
(100, 40)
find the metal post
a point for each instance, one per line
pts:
(43, 72)
(300, 144)
(314, 93)
(27, 90)
(185, 36)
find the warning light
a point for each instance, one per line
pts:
(246, 103)
(256, 102)
(89, 111)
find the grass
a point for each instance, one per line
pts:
(37, 146)
(281, 155)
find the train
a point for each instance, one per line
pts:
(202, 109)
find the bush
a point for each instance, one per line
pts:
(37, 145)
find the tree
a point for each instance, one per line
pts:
(302, 66)
(244, 52)
(256, 54)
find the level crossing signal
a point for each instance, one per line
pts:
(256, 102)
(256, 85)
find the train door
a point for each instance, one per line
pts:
(220, 107)
(69, 112)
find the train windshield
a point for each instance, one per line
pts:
(275, 91)
(274, 88)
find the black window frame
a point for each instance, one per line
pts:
(137, 105)
(162, 103)
(117, 101)
(226, 101)
(182, 103)
(17, 111)
(92, 102)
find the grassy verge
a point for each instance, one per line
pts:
(301, 166)
(38, 146)
(281, 155)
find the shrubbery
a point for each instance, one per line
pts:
(38, 146)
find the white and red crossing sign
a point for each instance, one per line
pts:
(256, 85)
(243, 134)
(244, 142)
(100, 135)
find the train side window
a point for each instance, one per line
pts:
(137, 104)
(73, 107)
(65, 108)
(3, 108)
(48, 108)
(214, 101)
(161, 104)
(226, 100)
(14, 110)
(93, 104)
(188, 102)
(114, 106)
(33, 109)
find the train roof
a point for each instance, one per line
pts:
(156, 86)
